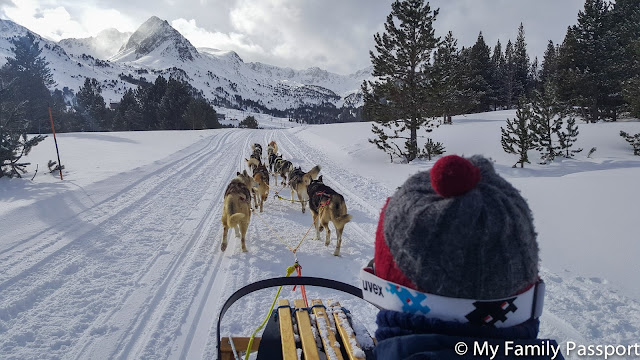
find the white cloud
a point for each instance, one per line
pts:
(56, 23)
(200, 37)
(302, 34)
(96, 20)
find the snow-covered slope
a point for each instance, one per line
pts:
(156, 49)
(122, 259)
(342, 85)
(69, 70)
(102, 46)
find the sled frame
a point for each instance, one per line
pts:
(286, 314)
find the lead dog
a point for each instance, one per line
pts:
(236, 211)
(299, 180)
(272, 148)
(261, 179)
(327, 205)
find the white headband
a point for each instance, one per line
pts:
(506, 312)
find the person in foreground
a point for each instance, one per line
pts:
(455, 270)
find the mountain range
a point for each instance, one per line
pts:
(120, 61)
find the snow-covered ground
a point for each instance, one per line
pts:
(122, 259)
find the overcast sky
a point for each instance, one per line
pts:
(335, 35)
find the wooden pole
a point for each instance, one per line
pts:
(56, 142)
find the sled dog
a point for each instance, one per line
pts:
(272, 160)
(257, 149)
(298, 182)
(236, 211)
(327, 205)
(261, 192)
(272, 148)
(253, 161)
(282, 167)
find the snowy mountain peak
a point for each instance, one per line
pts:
(9, 29)
(102, 46)
(221, 53)
(156, 37)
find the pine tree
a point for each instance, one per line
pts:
(534, 75)
(522, 79)
(509, 76)
(201, 115)
(149, 98)
(450, 91)
(497, 78)
(626, 19)
(14, 141)
(91, 106)
(568, 137)
(631, 94)
(590, 78)
(249, 122)
(481, 74)
(27, 77)
(546, 122)
(128, 114)
(399, 99)
(173, 105)
(549, 70)
(518, 137)
(59, 111)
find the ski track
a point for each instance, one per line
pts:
(139, 274)
(143, 247)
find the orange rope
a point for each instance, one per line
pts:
(302, 290)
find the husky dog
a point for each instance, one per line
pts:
(261, 179)
(253, 161)
(257, 149)
(327, 205)
(272, 148)
(299, 180)
(236, 212)
(272, 160)
(282, 167)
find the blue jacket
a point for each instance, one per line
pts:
(409, 336)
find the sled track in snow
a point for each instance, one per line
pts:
(92, 245)
(168, 310)
(34, 247)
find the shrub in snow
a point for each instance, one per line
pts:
(634, 140)
(431, 149)
(53, 166)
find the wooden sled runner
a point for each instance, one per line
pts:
(278, 339)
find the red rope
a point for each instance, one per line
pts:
(302, 290)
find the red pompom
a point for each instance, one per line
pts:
(454, 175)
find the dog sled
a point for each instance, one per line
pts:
(289, 332)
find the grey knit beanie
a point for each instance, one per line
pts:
(469, 234)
